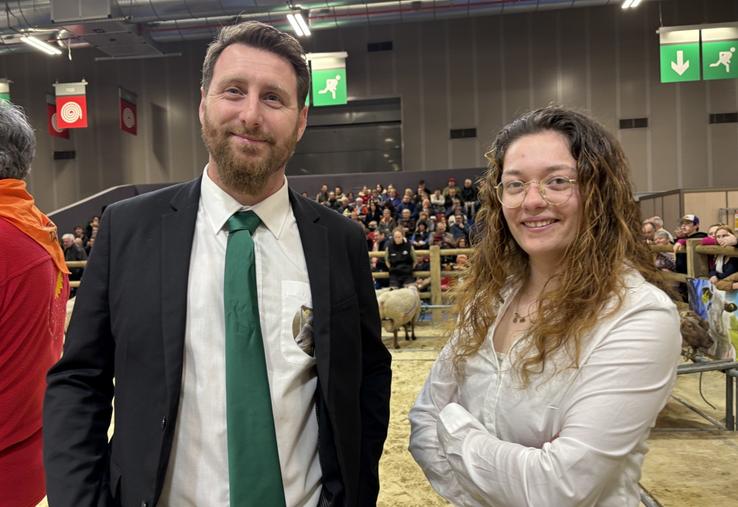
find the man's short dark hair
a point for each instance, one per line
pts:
(260, 36)
(17, 142)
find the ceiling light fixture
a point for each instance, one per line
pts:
(298, 20)
(295, 25)
(631, 4)
(40, 45)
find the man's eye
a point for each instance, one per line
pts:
(233, 91)
(273, 97)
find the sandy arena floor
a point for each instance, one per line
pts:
(691, 462)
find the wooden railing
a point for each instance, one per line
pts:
(696, 258)
(696, 265)
(435, 253)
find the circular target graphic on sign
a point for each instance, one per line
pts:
(129, 119)
(71, 112)
(54, 124)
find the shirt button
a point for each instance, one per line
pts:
(163, 423)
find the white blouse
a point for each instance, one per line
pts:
(573, 437)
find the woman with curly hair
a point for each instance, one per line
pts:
(566, 347)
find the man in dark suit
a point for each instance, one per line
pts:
(150, 326)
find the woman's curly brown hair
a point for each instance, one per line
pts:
(607, 242)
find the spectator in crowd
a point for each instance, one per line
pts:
(373, 213)
(400, 259)
(406, 204)
(665, 261)
(689, 226)
(386, 224)
(724, 265)
(425, 207)
(451, 199)
(79, 233)
(458, 227)
(406, 223)
(451, 185)
(438, 202)
(332, 202)
(322, 196)
(73, 252)
(425, 218)
(648, 229)
(419, 239)
(469, 196)
(658, 222)
(421, 188)
(344, 206)
(394, 199)
(217, 400)
(88, 247)
(92, 226)
(338, 191)
(562, 325)
(443, 239)
(33, 295)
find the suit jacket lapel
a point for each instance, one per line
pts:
(178, 229)
(314, 238)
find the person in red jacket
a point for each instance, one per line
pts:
(34, 287)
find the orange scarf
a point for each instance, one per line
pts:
(18, 208)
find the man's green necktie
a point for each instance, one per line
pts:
(253, 461)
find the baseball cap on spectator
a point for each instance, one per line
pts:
(693, 219)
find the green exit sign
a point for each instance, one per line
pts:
(329, 87)
(719, 56)
(680, 56)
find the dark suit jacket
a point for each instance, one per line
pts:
(129, 324)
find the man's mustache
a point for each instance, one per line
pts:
(255, 135)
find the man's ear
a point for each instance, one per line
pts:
(201, 109)
(302, 121)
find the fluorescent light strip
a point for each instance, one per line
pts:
(302, 23)
(41, 45)
(635, 4)
(627, 4)
(295, 25)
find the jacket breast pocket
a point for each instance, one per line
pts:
(296, 333)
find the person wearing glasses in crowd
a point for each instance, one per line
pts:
(566, 348)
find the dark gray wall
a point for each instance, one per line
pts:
(458, 73)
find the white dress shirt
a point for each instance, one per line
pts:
(198, 468)
(573, 438)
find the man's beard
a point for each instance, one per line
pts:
(241, 168)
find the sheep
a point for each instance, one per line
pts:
(399, 308)
(695, 332)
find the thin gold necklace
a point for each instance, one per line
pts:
(517, 318)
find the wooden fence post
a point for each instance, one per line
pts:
(435, 271)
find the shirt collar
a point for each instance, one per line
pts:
(219, 206)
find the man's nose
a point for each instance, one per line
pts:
(250, 113)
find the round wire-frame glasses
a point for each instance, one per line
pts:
(555, 190)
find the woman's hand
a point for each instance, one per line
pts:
(728, 240)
